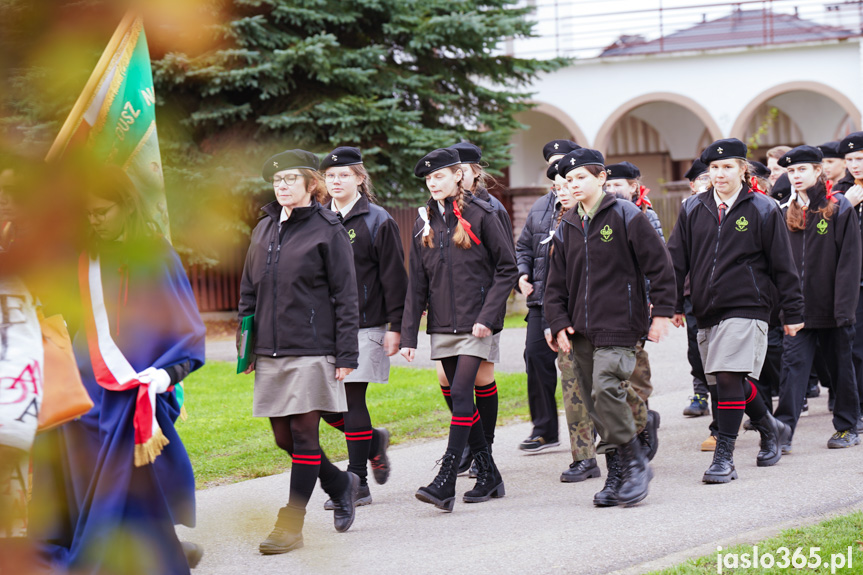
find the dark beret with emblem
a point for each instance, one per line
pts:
(622, 171)
(851, 143)
(781, 188)
(437, 160)
(730, 148)
(831, 150)
(342, 156)
(698, 168)
(578, 158)
(759, 170)
(551, 172)
(289, 160)
(555, 147)
(801, 155)
(468, 153)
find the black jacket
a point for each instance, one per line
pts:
(828, 256)
(731, 267)
(531, 253)
(460, 287)
(499, 210)
(305, 300)
(843, 185)
(379, 264)
(596, 279)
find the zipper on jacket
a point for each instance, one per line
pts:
(275, 295)
(270, 253)
(365, 300)
(451, 280)
(629, 299)
(586, 277)
(482, 295)
(713, 269)
(312, 323)
(752, 274)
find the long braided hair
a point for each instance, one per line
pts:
(459, 235)
(795, 216)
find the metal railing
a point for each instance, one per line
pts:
(590, 29)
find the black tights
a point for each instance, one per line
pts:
(466, 426)
(298, 435)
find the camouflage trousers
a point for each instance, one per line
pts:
(582, 432)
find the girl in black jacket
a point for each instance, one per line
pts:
(381, 285)
(306, 312)
(459, 247)
(825, 241)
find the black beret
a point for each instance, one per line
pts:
(434, 161)
(801, 155)
(556, 147)
(578, 158)
(781, 188)
(831, 150)
(289, 160)
(698, 168)
(551, 172)
(622, 171)
(467, 152)
(851, 143)
(342, 156)
(758, 169)
(731, 148)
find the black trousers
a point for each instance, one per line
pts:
(857, 351)
(797, 360)
(699, 380)
(541, 378)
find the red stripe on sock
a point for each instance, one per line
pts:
(462, 421)
(306, 459)
(445, 391)
(754, 392)
(358, 437)
(485, 392)
(476, 416)
(338, 423)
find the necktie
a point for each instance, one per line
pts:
(722, 208)
(584, 223)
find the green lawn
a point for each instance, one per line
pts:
(833, 537)
(226, 444)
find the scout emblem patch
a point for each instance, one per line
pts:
(741, 224)
(822, 227)
(606, 233)
(352, 234)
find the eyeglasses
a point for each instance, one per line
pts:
(339, 177)
(289, 180)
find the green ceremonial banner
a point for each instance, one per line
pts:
(115, 116)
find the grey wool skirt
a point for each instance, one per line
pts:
(452, 344)
(292, 385)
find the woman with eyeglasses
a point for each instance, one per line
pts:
(381, 286)
(299, 284)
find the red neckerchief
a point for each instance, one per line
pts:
(642, 197)
(831, 193)
(753, 183)
(464, 223)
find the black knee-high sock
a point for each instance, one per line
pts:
(486, 404)
(333, 479)
(732, 401)
(477, 438)
(459, 432)
(305, 468)
(447, 396)
(336, 420)
(359, 445)
(755, 407)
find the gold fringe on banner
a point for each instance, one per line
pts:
(147, 453)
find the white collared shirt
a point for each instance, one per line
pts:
(347, 209)
(729, 202)
(283, 217)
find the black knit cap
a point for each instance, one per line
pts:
(342, 156)
(468, 153)
(551, 172)
(727, 149)
(801, 155)
(555, 147)
(578, 158)
(851, 143)
(622, 171)
(434, 161)
(289, 160)
(698, 168)
(758, 169)
(831, 150)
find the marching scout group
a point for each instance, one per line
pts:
(763, 267)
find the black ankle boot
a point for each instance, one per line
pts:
(466, 461)
(288, 533)
(441, 491)
(635, 473)
(344, 504)
(649, 436)
(489, 483)
(608, 496)
(580, 470)
(722, 469)
(774, 434)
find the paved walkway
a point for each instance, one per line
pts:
(542, 525)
